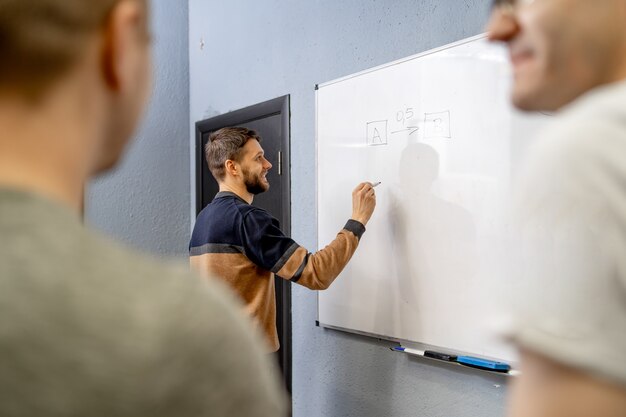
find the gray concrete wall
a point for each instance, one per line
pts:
(145, 201)
(243, 52)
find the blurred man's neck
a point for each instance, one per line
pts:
(44, 147)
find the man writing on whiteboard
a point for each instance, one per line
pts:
(244, 245)
(569, 56)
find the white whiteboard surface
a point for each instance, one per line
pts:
(439, 132)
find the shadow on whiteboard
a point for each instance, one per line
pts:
(431, 236)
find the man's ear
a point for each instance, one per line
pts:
(123, 32)
(232, 168)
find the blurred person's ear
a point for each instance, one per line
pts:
(126, 67)
(125, 44)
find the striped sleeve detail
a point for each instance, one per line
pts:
(300, 270)
(293, 264)
(284, 258)
(318, 270)
(214, 248)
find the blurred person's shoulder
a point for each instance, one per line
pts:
(579, 158)
(591, 128)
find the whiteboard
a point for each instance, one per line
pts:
(438, 130)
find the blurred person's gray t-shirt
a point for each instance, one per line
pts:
(90, 328)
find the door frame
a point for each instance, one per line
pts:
(278, 106)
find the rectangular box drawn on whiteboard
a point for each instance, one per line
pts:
(377, 133)
(437, 125)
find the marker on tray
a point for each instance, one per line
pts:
(427, 353)
(441, 356)
(407, 350)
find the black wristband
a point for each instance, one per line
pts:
(355, 227)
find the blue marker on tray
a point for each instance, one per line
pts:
(483, 364)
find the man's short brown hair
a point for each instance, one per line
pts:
(224, 144)
(40, 40)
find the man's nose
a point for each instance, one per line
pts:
(502, 26)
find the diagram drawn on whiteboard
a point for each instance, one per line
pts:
(377, 133)
(437, 125)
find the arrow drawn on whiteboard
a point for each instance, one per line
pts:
(410, 129)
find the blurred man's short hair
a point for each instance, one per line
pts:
(40, 40)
